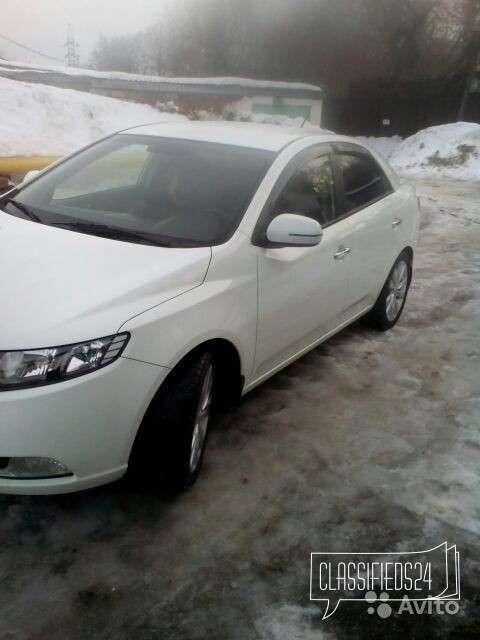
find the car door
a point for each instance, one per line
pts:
(301, 290)
(368, 200)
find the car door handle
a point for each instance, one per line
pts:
(396, 223)
(341, 253)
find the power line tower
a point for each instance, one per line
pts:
(72, 57)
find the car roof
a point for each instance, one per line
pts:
(242, 134)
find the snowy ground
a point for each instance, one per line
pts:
(369, 442)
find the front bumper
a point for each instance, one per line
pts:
(88, 424)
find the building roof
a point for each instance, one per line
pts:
(130, 81)
(241, 134)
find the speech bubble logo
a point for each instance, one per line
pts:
(432, 574)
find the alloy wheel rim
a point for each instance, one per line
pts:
(202, 416)
(397, 290)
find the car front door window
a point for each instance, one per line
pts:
(309, 191)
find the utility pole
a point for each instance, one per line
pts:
(72, 57)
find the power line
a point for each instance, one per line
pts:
(19, 44)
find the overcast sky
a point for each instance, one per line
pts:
(42, 24)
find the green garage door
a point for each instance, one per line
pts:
(290, 110)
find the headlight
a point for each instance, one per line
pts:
(34, 367)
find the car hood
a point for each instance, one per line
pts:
(59, 286)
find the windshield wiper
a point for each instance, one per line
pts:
(21, 207)
(114, 233)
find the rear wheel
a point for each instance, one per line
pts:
(170, 446)
(389, 305)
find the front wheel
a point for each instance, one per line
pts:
(389, 305)
(170, 446)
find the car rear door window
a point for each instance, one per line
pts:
(363, 179)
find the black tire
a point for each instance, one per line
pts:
(162, 452)
(378, 317)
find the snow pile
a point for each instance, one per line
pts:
(240, 115)
(448, 151)
(384, 146)
(37, 119)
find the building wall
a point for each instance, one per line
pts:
(308, 108)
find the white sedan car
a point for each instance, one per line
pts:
(174, 265)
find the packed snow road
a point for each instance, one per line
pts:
(370, 442)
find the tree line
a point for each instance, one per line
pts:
(390, 45)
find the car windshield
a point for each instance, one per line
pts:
(151, 190)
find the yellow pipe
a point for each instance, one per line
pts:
(20, 165)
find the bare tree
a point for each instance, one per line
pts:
(118, 53)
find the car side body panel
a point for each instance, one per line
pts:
(301, 296)
(223, 307)
(376, 243)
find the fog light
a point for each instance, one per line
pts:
(33, 468)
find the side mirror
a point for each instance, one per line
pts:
(294, 230)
